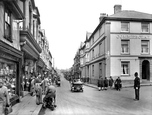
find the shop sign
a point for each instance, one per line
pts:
(126, 36)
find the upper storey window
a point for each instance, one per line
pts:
(125, 26)
(7, 27)
(92, 39)
(87, 45)
(125, 46)
(145, 46)
(81, 52)
(145, 27)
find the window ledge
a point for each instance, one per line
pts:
(124, 31)
(145, 53)
(125, 75)
(125, 53)
(145, 32)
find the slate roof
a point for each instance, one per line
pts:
(132, 14)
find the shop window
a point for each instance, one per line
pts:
(8, 74)
(145, 27)
(125, 26)
(145, 46)
(125, 68)
(7, 26)
(125, 46)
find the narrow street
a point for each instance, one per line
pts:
(94, 102)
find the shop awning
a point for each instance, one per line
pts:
(40, 63)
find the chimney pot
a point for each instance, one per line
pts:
(117, 8)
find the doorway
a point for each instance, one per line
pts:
(145, 70)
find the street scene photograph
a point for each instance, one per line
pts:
(75, 57)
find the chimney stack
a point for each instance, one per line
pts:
(102, 15)
(117, 8)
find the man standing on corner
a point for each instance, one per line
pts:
(136, 86)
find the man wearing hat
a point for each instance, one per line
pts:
(4, 97)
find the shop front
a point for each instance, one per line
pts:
(10, 70)
(31, 51)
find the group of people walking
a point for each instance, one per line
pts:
(38, 87)
(104, 83)
(41, 87)
(117, 84)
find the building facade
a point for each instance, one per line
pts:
(120, 46)
(21, 45)
(10, 50)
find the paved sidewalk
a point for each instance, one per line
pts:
(27, 106)
(123, 85)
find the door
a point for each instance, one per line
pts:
(145, 70)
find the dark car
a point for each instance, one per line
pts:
(58, 82)
(77, 86)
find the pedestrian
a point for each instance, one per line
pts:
(110, 82)
(136, 86)
(105, 83)
(38, 89)
(4, 97)
(46, 80)
(99, 84)
(33, 86)
(118, 84)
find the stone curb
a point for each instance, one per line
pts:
(93, 86)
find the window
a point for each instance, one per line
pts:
(145, 46)
(145, 27)
(124, 26)
(81, 52)
(93, 70)
(100, 49)
(86, 57)
(100, 69)
(81, 61)
(7, 27)
(87, 45)
(124, 46)
(125, 68)
(100, 31)
(92, 53)
(92, 39)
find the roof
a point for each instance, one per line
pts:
(129, 15)
(132, 14)
(88, 34)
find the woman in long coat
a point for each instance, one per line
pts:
(4, 97)
(110, 82)
(38, 90)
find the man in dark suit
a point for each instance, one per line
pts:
(136, 86)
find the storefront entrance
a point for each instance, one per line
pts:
(146, 70)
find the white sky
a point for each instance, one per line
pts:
(66, 22)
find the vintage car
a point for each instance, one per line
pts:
(58, 82)
(77, 86)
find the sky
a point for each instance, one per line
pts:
(67, 21)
